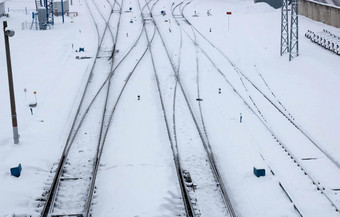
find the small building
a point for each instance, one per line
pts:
(2, 8)
(274, 3)
(42, 18)
(57, 10)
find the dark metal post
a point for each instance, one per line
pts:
(62, 9)
(11, 88)
(46, 6)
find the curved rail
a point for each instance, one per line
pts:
(55, 182)
(208, 150)
(206, 144)
(70, 140)
(287, 116)
(185, 195)
(259, 115)
(99, 145)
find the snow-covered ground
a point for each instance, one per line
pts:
(137, 175)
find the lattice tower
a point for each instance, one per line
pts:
(294, 31)
(284, 28)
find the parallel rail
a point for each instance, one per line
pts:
(73, 132)
(259, 114)
(189, 210)
(103, 132)
(204, 134)
(206, 146)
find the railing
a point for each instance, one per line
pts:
(26, 11)
(27, 25)
(325, 39)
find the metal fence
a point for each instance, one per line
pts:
(26, 11)
(28, 25)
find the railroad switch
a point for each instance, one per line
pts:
(68, 178)
(83, 57)
(309, 158)
(32, 105)
(188, 180)
(68, 215)
(187, 176)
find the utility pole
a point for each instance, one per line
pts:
(10, 33)
(62, 9)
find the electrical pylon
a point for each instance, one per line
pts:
(284, 28)
(294, 31)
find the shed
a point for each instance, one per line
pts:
(274, 3)
(57, 7)
(2, 8)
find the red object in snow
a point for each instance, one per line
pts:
(228, 13)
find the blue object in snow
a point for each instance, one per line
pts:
(259, 172)
(130, 9)
(16, 171)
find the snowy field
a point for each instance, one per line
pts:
(137, 176)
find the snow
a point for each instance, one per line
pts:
(137, 176)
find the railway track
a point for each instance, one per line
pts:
(83, 114)
(98, 108)
(201, 127)
(252, 105)
(69, 192)
(208, 154)
(105, 122)
(278, 105)
(55, 202)
(189, 210)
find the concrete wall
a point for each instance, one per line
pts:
(320, 12)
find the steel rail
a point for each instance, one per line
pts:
(185, 196)
(206, 144)
(114, 108)
(266, 126)
(201, 115)
(103, 84)
(209, 153)
(97, 160)
(62, 158)
(291, 120)
(175, 91)
(56, 180)
(197, 75)
(99, 145)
